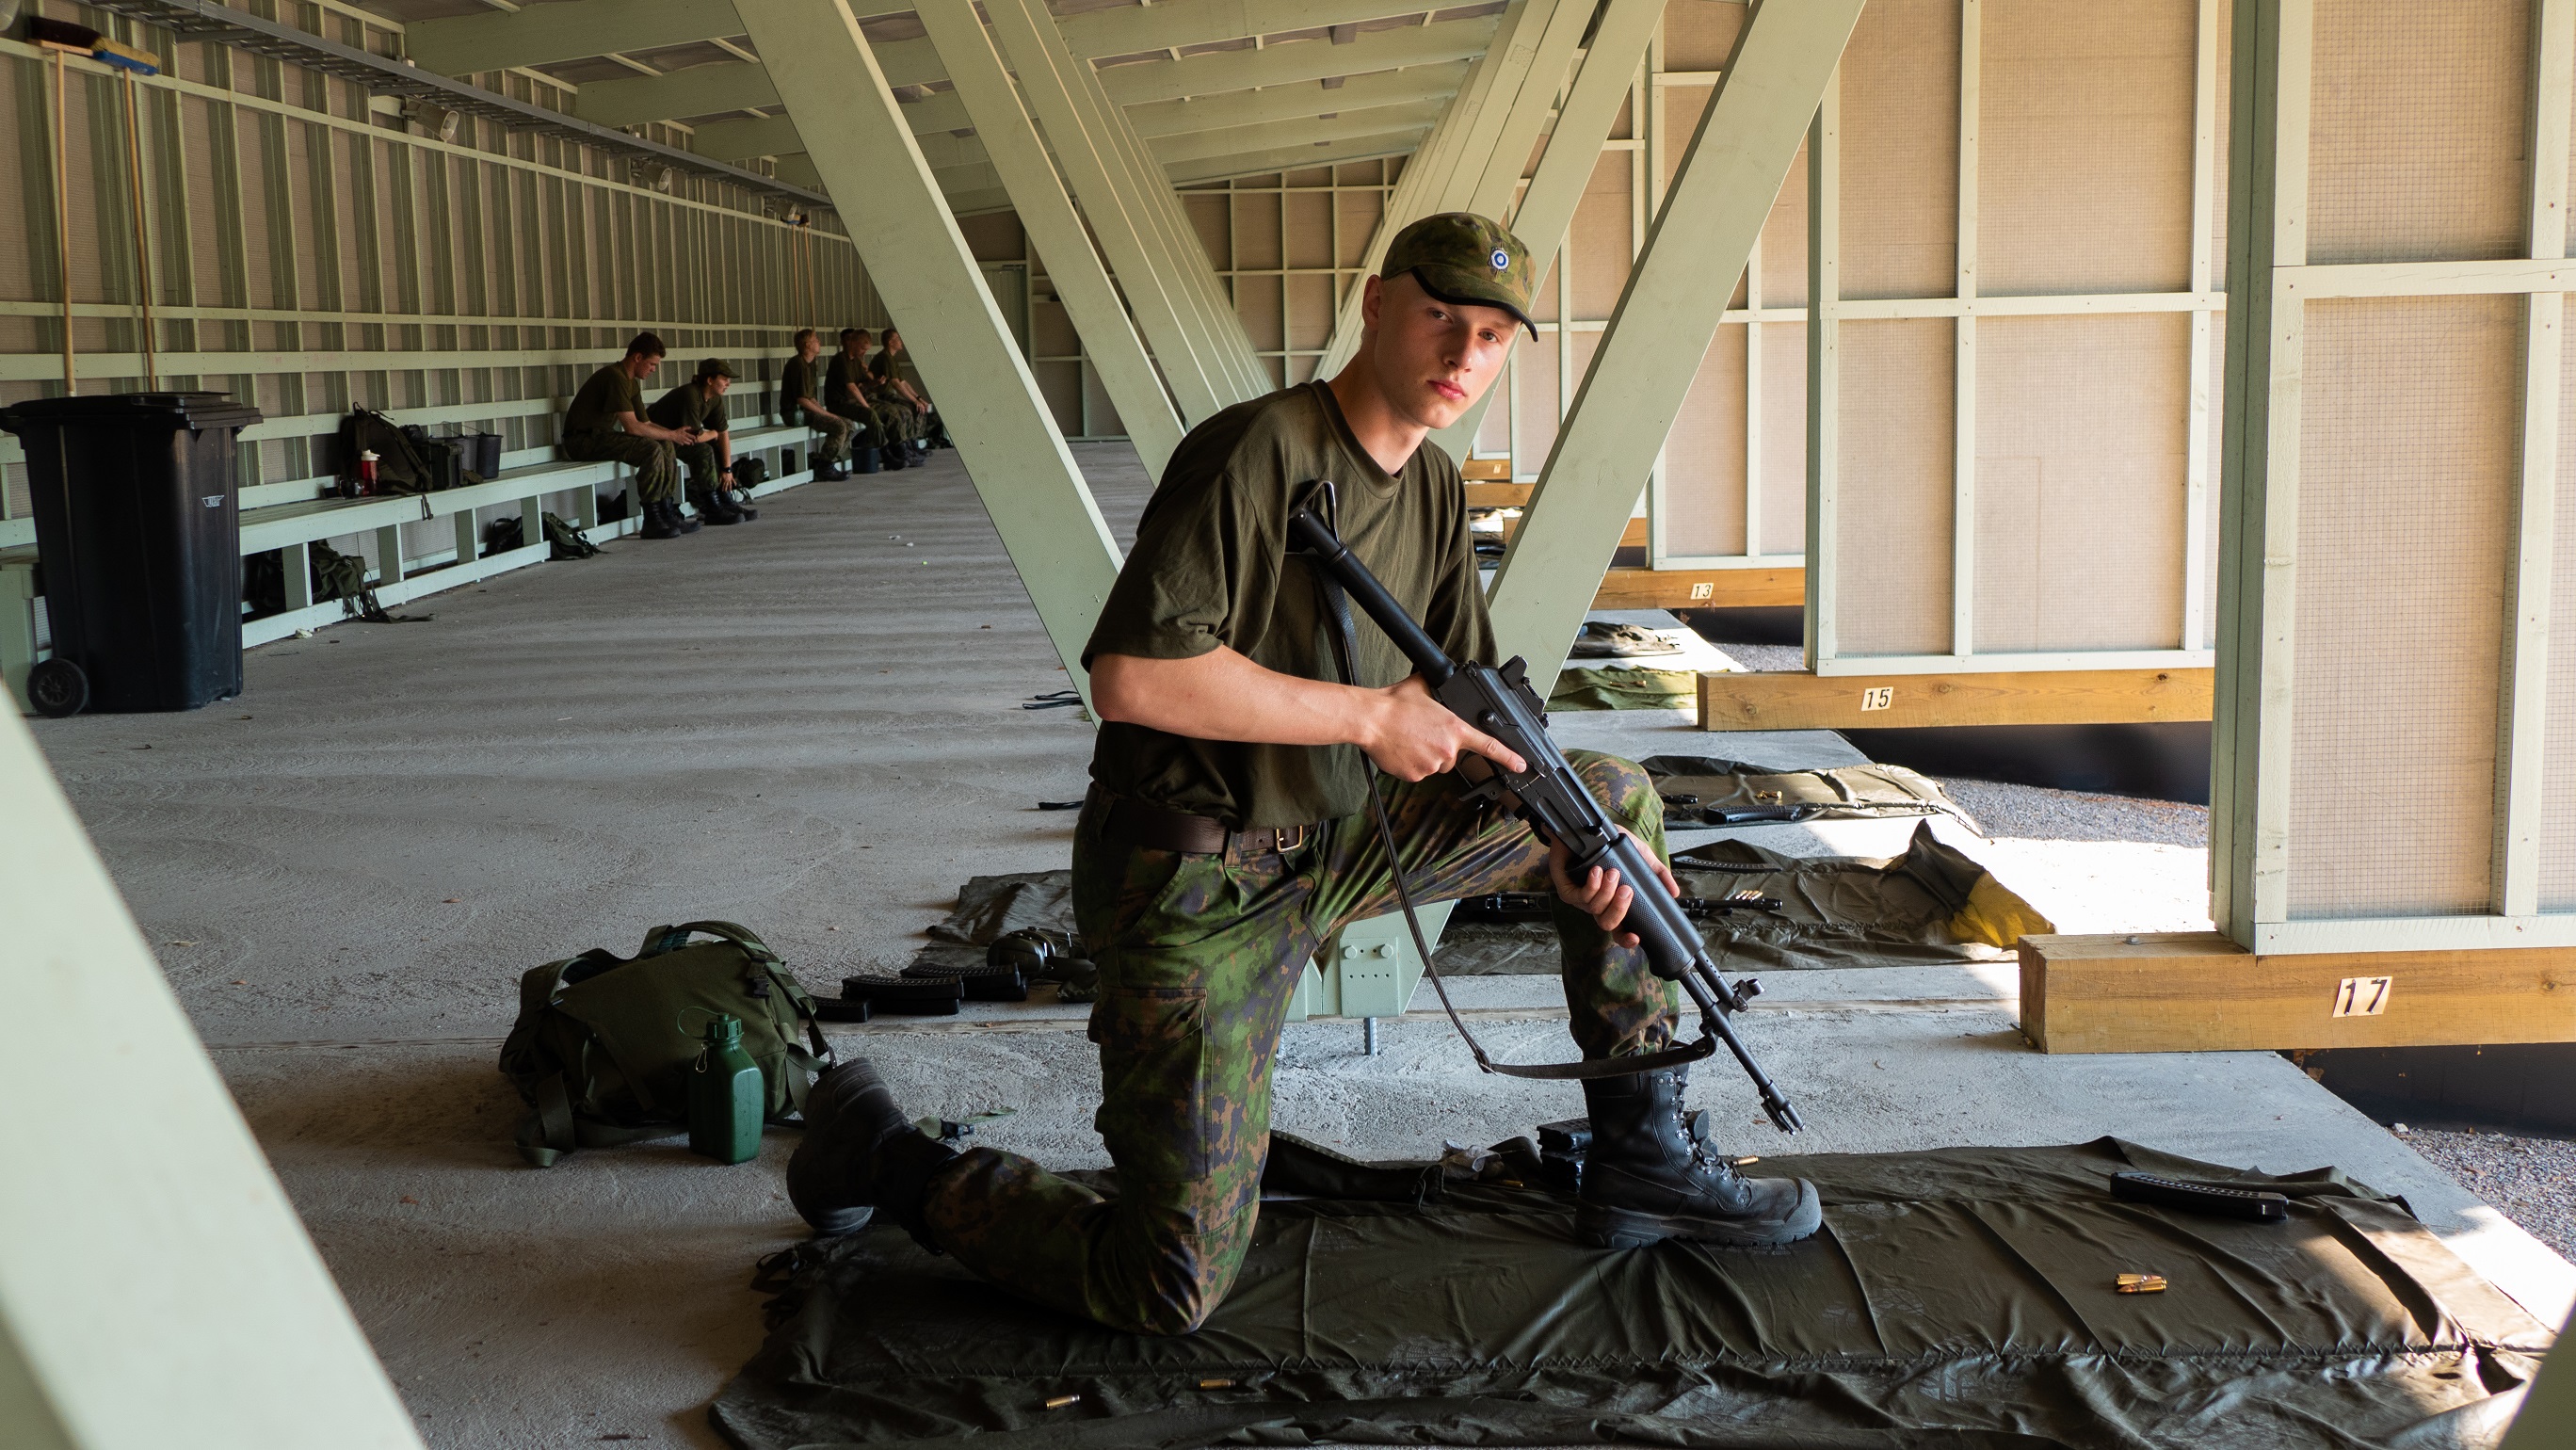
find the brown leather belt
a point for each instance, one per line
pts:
(1136, 823)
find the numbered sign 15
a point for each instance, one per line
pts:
(2362, 996)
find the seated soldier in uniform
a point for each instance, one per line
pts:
(698, 404)
(606, 421)
(897, 428)
(800, 400)
(888, 365)
(1227, 837)
(853, 395)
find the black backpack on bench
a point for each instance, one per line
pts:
(400, 467)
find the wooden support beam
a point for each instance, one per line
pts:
(1632, 537)
(1701, 589)
(1798, 700)
(2200, 992)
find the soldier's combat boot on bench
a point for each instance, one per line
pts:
(663, 521)
(714, 508)
(860, 1154)
(1650, 1174)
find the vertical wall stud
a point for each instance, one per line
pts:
(2524, 706)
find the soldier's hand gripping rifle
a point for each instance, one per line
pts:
(1557, 804)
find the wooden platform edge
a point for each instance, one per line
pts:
(1798, 700)
(2201, 992)
(1702, 589)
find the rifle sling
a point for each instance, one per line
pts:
(1337, 612)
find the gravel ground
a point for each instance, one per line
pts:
(2037, 813)
(2530, 1180)
(1766, 656)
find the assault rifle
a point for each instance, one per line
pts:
(1557, 804)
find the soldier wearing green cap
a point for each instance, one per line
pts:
(698, 405)
(1223, 842)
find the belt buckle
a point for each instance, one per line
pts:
(1281, 842)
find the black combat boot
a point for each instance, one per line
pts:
(740, 502)
(661, 521)
(1651, 1175)
(894, 456)
(715, 509)
(860, 1154)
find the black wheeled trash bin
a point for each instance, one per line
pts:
(138, 530)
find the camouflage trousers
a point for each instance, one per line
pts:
(657, 472)
(836, 436)
(706, 471)
(1199, 956)
(895, 420)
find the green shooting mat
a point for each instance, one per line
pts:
(1955, 1298)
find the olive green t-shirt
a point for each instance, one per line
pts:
(608, 393)
(882, 366)
(1211, 567)
(839, 378)
(796, 382)
(689, 405)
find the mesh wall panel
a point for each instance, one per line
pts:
(25, 208)
(1784, 437)
(1255, 232)
(2418, 148)
(1256, 300)
(1051, 332)
(1892, 566)
(2406, 472)
(1534, 402)
(1310, 228)
(1784, 240)
(1700, 36)
(258, 248)
(1310, 310)
(2084, 146)
(1600, 239)
(2558, 736)
(2221, 116)
(307, 210)
(1360, 211)
(2081, 436)
(1704, 456)
(1683, 107)
(1900, 151)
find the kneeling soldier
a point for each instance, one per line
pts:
(606, 421)
(1224, 841)
(698, 405)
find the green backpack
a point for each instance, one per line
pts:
(603, 1045)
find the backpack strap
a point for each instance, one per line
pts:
(546, 1133)
(671, 938)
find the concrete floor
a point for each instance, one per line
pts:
(811, 725)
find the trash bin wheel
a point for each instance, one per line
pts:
(57, 688)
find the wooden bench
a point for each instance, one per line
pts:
(292, 525)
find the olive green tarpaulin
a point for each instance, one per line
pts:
(1910, 910)
(1957, 1298)
(1837, 793)
(1624, 687)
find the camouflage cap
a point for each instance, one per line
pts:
(1462, 258)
